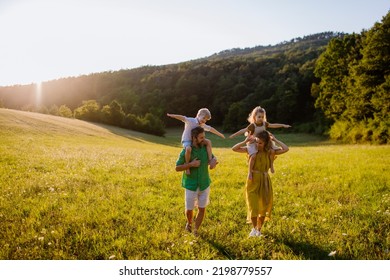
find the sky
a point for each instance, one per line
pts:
(42, 40)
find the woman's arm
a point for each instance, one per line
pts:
(282, 145)
(241, 147)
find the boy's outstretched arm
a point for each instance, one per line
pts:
(213, 130)
(241, 131)
(178, 117)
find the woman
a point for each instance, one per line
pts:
(258, 191)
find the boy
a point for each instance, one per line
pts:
(201, 118)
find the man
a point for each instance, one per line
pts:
(197, 183)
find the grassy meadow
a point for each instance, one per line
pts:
(75, 190)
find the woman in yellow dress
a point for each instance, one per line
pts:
(258, 191)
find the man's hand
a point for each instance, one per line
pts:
(195, 163)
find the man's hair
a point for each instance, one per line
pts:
(196, 131)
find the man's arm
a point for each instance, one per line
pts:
(185, 166)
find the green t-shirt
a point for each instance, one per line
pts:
(199, 177)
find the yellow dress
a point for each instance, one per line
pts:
(258, 191)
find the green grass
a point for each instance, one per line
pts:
(76, 190)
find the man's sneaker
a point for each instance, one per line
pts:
(254, 233)
(188, 227)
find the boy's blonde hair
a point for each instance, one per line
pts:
(204, 112)
(255, 111)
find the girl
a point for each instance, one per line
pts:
(258, 123)
(258, 191)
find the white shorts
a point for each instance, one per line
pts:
(197, 198)
(252, 148)
(187, 143)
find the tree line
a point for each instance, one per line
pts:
(354, 87)
(229, 83)
(298, 82)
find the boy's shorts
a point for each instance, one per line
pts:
(186, 144)
(197, 198)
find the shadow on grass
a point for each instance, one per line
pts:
(308, 251)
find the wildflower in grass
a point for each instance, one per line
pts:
(331, 254)
(41, 238)
(344, 234)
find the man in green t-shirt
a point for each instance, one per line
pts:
(197, 183)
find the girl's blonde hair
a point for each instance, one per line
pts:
(255, 111)
(204, 112)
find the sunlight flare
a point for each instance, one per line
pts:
(38, 94)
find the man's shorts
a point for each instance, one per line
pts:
(197, 198)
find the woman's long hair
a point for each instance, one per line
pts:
(264, 135)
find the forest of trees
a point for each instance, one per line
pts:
(354, 87)
(327, 82)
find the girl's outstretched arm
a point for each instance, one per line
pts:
(241, 131)
(278, 125)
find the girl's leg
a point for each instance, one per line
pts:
(187, 157)
(272, 158)
(250, 166)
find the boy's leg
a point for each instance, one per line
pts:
(187, 157)
(250, 166)
(272, 158)
(210, 154)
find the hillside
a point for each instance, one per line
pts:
(28, 125)
(229, 83)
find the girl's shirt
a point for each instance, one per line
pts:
(255, 129)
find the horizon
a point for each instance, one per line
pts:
(74, 38)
